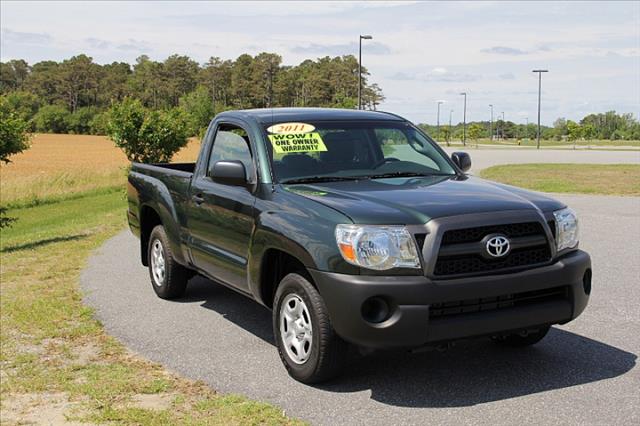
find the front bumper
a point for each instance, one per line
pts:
(411, 299)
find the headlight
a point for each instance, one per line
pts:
(377, 247)
(566, 228)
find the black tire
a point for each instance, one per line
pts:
(520, 340)
(328, 351)
(173, 283)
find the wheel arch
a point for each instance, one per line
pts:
(149, 219)
(274, 266)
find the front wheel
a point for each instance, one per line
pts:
(308, 345)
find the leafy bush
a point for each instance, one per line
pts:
(574, 131)
(99, 124)
(14, 139)
(476, 131)
(52, 119)
(79, 122)
(147, 136)
(198, 105)
(24, 104)
(14, 136)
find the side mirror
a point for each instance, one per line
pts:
(462, 160)
(229, 173)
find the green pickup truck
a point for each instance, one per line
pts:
(356, 228)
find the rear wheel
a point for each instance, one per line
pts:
(308, 345)
(168, 277)
(524, 338)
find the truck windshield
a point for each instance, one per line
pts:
(326, 151)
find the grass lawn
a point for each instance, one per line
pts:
(56, 362)
(603, 179)
(552, 142)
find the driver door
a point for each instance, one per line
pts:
(221, 217)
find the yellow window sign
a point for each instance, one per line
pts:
(291, 128)
(297, 142)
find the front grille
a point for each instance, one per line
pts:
(475, 263)
(468, 264)
(439, 310)
(468, 235)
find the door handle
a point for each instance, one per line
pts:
(198, 199)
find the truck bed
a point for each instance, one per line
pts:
(164, 167)
(162, 184)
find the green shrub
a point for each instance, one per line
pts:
(79, 122)
(147, 136)
(14, 138)
(24, 104)
(52, 119)
(99, 123)
(198, 106)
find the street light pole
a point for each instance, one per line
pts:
(491, 123)
(449, 133)
(438, 120)
(464, 120)
(539, 95)
(362, 37)
(503, 126)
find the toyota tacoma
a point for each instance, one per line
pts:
(356, 228)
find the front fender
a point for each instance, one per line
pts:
(299, 227)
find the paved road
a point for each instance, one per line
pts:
(584, 372)
(483, 158)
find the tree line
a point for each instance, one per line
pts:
(603, 126)
(74, 95)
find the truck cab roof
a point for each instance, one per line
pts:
(271, 115)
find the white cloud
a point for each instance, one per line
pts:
(438, 74)
(19, 37)
(504, 50)
(374, 48)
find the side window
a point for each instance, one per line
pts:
(394, 143)
(231, 143)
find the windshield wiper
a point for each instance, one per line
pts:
(405, 174)
(316, 179)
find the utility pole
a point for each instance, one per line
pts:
(526, 129)
(491, 123)
(503, 125)
(539, 95)
(464, 120)
(450, 130)
(438, 120)
(362, 37)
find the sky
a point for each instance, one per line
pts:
(421, 52)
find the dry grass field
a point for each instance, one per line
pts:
(62, 165)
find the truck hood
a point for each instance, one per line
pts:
(417, 200)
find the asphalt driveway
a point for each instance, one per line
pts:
(584, 372)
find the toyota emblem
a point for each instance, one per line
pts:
(498, 246)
